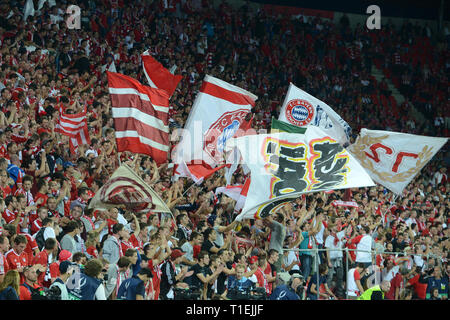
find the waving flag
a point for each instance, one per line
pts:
(217, 113)
(157, 76)
(127, 188)
(75, 127)
(303, 110)
(140, 117)
(393, 159)
(197, 172)
(286, 165)
(234, 192)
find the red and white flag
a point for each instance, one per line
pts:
(217, 113)
(140, 117)
(197, 172)
(234, 192)
(240, 202)
(157, 76)
(75, 127)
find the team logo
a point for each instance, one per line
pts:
(299, 112)
(128, 192)
(222, 130)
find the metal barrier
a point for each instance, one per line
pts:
(346, 251)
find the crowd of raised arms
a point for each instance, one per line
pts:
(48, 233)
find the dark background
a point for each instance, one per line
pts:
(414, 9)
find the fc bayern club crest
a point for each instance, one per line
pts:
(299, 112)
(222, 130)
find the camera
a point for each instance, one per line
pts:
(53, 293)
(192, 293)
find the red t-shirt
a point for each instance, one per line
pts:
(419, 288)
(396, 282)
(24, 292)
(42, 258)
(16, 260)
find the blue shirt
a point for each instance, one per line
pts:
(283, 292)
(241, 285)
(440, 284)
(304, 244)
(322, 280)
(130, 288)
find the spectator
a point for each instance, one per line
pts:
(92, 277)
(316, 283)
(30, 287)
(354, 286)
(111, 247)
(290, 289)
(436, 281)
(9, 287)
(134, 288)
(117, 273)
(238, 285)
(68, 242)
(65, 272)
(43, 260)
(17, 258)
(170, 278)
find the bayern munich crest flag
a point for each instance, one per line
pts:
(303, 110)
(286, 165)
(127, 188)
(217, 114)
(393, 159)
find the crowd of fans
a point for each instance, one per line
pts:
(48, 233)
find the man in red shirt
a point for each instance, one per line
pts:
(397, 284)
(17, 257)
(42, 261)
(419, 283)
(41, 196)
(30, 281)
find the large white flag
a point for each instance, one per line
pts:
(302, 109)
(285, 165)
(393, 159)
(217, 113)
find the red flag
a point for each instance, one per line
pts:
(75, 127)
(140, 117)
(197, 172)
(158, 76)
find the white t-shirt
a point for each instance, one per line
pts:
(388, 275)
(329, 243)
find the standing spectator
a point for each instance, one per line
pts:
(43, 260)
(111, 247)
(363, 247)
(134, 288)
(117, 273)
(334, 258)
(17, 258)
(66, 270)
(277, 237)
(397, 284)
(314, 288)
(196, 239)
(91, 278)
(9, 287)
(238, 285)
(68, 242)
(354, 286)
(170, 278)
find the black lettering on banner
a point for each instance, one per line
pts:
(267, 209)
(328, 170)
(291, 169)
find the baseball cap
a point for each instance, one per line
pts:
(285, 276)
(65, 255)
(176, 254)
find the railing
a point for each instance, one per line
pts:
(346, 251)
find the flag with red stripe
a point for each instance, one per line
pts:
(140, 117)
(157, 76)
(217, 113)
(75, 127)
(197, 172)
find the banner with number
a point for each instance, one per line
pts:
(286, 165)
(393, 159)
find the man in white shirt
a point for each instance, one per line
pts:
(334, 257)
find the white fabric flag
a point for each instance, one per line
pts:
(286, 165)
(393, 159)
(303, 110)
(28, 10)
(216, 115)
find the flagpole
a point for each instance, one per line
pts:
(188, 189)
